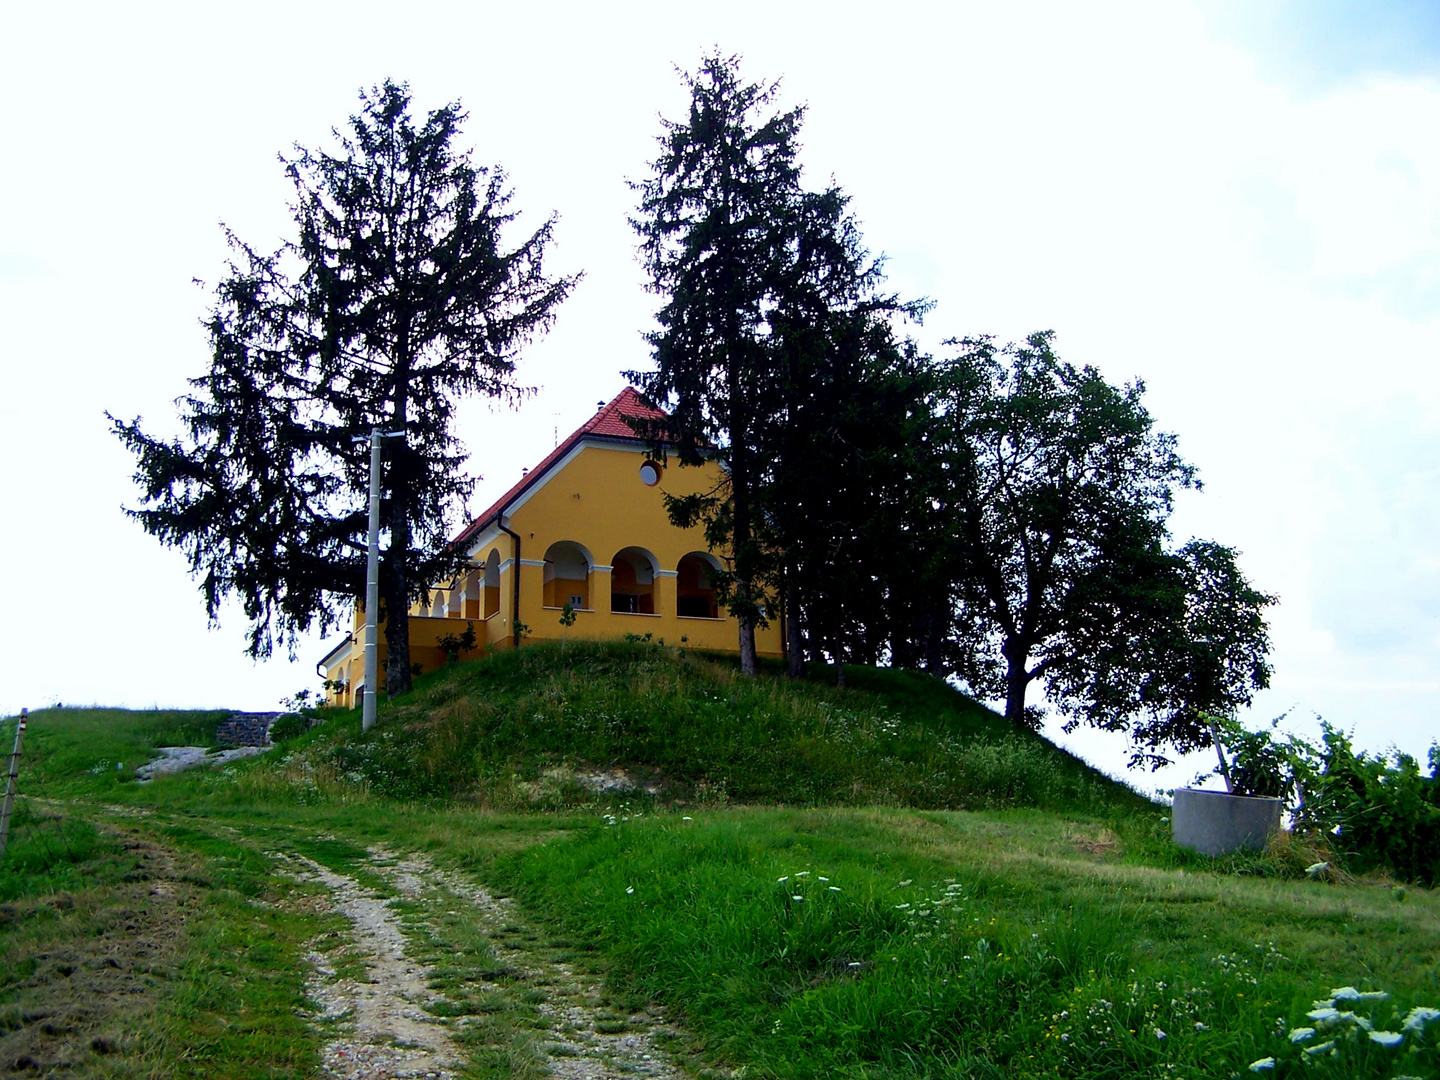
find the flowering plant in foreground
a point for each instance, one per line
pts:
(1352, 1033)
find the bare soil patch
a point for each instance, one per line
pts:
(78, 971)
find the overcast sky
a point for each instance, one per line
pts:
(1238, 203)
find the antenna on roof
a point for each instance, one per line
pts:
(599, 405)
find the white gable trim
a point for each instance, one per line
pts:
(486, 539)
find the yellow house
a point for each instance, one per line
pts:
(586, 527)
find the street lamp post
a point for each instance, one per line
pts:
(372, 581)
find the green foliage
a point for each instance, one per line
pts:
(289, 726)
(1381, 811)
(712, 226)
(304, 700)
(455, 644)
(776, 350)
(1373, 811)
(394, 296)
(1061, 490)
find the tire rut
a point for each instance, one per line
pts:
(386, 1030)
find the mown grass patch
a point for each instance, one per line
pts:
(151, 950)
(96, 750)
(844, 943)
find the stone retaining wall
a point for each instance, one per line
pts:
(246, 729)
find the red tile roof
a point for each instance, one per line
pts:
(608, 423)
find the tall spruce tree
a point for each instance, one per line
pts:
(396, 296)
(848, 386)
(712, 224)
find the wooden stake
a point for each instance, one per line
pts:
(10, 781)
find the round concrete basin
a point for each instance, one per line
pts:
(1217, 823)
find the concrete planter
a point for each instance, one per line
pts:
(1217, 823)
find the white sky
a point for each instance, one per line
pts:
(1237, 203)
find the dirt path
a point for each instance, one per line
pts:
(386, 1030)
(386, 1022)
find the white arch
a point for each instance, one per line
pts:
(568, 566)
(562, 548)
(636, 556)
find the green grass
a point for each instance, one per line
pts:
(93, 750)
(888, 943)
(993, 907)
(137, 951)
(510, 730)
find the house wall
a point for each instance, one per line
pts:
(596, 501)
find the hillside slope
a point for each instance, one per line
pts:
(517, 728)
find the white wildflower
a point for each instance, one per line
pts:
(630, 890)
(778, 880)
(1387, 1039)
(905, 882)
(1345, 993)
(1201, 1026)
(1263, 1065)
(1418, 1017)
(1315, 1051)
(1316, 869)
(834, 888)
(797, 897)
(1160, 1034)
(1328, 1015)
(687, 819)
(1300, 1035)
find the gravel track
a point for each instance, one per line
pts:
(383, 1029)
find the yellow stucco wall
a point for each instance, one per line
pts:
(596, 500)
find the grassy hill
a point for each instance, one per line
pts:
(885, 881)
(512, 731)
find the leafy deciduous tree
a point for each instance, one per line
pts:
(1061, 490)
(397, 295)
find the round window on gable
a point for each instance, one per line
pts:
(650, 473)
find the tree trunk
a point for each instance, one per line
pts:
(747, 631)
(933, 622)
(397, 630)
(741, 538)
(1017, 679)
(397, 599)
(795, 653)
